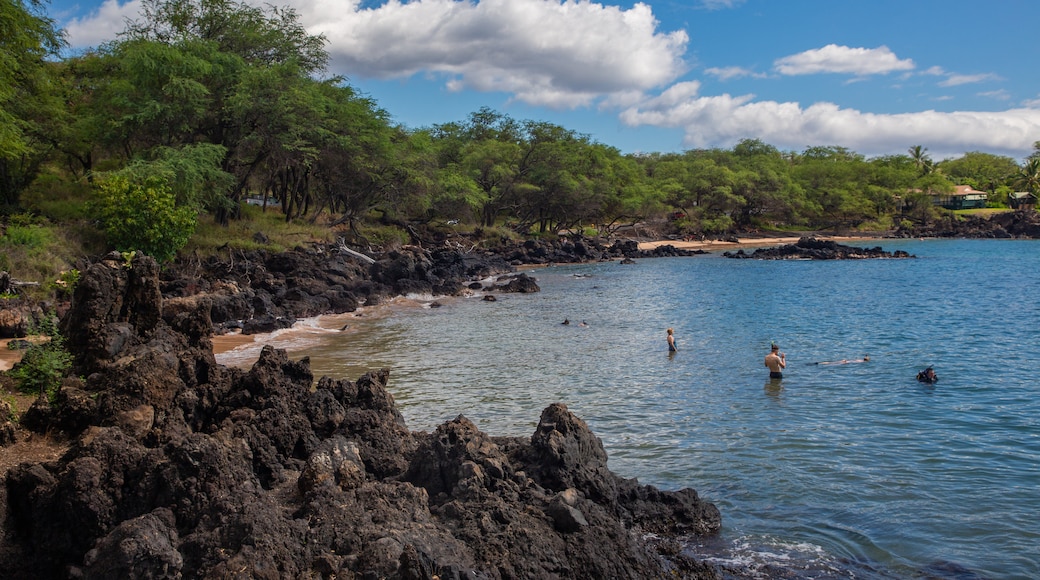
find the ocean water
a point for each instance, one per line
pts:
(836, 471)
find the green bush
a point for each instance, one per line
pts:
(45, 364)
(28, 236)
(143, 216)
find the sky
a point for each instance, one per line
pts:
(874, 76)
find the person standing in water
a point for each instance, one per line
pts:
(671, 341)
(776, 362)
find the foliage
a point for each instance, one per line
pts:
(28, 100)
(65, 283)
(32, 236)
(983, 171)
(201, 103)
(142, 215)
(384, 235)
(211, 237)
(56, 197)
(44, 364)
(33, 248)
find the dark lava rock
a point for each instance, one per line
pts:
(809, 248)
(1023, 224)
(182, 468)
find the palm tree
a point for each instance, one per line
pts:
(1029, 178)
(924, 163)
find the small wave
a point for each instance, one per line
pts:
(767, 557)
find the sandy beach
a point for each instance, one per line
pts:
(8, 357)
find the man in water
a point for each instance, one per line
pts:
(671, 341)
(927, 375)
(844, 361)
(776, 361)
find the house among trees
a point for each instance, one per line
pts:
(962, 197)
(1022, 200)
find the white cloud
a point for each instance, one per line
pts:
(842, 59)
(102, 25)
(955, 79)
(999, 94)
(721, 121)
(545, 52)
(732, 72)
(720, 4)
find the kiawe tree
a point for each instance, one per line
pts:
(29, 98)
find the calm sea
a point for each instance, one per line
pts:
(838, 471)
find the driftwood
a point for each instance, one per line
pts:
(7, 284)
(343, 248)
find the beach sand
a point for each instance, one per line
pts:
(226, 342)
(8, 357)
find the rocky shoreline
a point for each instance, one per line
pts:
(175, 466)
(810, 248)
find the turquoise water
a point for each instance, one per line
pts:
(850, 470)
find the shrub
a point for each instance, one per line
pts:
(143, 216)
(30, 236)
(65, 284)
(43, 365)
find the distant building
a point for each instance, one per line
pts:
(1022, 200)
(963, 197)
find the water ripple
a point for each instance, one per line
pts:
(850, 470)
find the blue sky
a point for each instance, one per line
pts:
(875, 76)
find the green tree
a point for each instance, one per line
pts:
(1028, 177)
(29, 100)
(921, 159)
(219, 72)
(834, 180)
(983, 171)
(483, 158)
(763, 184)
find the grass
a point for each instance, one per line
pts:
(982, 212)
(246, 234)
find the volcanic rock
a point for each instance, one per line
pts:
(178, 467)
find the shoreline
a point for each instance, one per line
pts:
(747, 242)
(223, 343)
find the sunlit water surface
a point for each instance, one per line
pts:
(852, 470)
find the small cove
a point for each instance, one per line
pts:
(844, 469)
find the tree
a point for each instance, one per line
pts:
(219, 72)
(922, 161)
(28, 98)
(1029, 176)
(763, 184)
(983, 171)
(834, 181)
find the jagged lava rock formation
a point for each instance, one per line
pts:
(179, 467)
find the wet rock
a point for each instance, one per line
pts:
(809, 248)
(521, 283)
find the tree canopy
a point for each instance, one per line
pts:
(202, 103)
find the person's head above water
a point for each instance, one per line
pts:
(775, 347)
